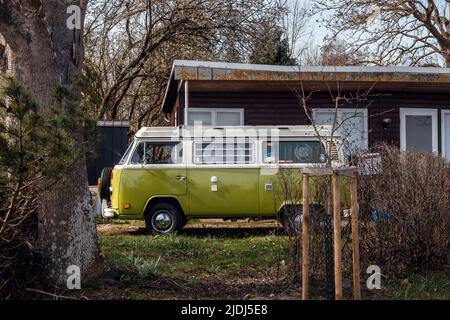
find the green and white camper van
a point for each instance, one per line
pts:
(171, 174)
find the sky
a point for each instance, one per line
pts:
(318, 32)
(314, 32)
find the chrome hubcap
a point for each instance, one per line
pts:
(298, 220)
(162, 220)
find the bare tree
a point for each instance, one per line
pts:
(411, 32)
(47, 55)
(331, 53)
(334, 53)
(293, 21)
(342, 127)
(131, 46)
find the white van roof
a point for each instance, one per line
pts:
(187, 132)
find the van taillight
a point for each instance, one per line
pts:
(111, 176)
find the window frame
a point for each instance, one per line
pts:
(287, 164)
(214, 112)
(181, 160)
(444, 112)
(365, 112)
(127, 154)
(420, 112)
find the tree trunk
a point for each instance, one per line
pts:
(447, 58)
(46, 53)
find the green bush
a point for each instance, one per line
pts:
(35, 150)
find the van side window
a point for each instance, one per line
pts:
(157, 153)
(224, 153)
(293, 152)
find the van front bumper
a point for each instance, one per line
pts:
(107, 211)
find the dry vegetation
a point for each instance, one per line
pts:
(404, 217)
(405, 211)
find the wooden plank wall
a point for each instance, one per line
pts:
(283, 108)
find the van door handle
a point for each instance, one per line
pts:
(181, 178)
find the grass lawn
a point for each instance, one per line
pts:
(219, 260)
(433, 285)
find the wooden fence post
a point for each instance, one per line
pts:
(337, 240)
(305, 238)
(337, 236)
(355, 236)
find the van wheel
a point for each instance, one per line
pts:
(292, 224)
(164, 218)
(184, 222)
(291, 217)
(291, 221)
(105, 184)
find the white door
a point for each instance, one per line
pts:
(446, 134)
(419, 130)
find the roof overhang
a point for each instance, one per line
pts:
(235, 77)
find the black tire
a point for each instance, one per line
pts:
(105, 184)
(184, 221)
(290, 219)
(164, 218)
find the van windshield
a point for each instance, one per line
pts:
(294, 152)
(126, 154)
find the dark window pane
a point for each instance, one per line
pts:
(138, 154)
(293, 152)
(301, 152)
(156, 153)
(419, 133)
